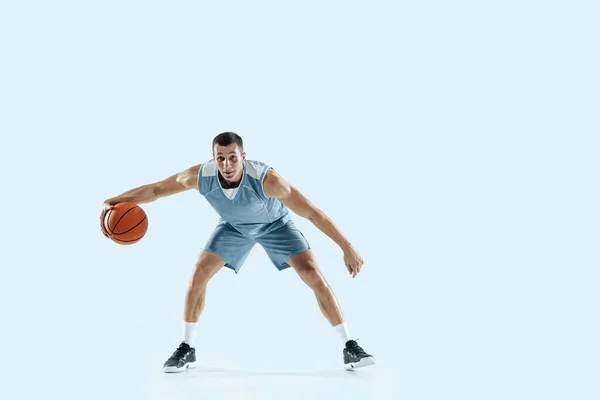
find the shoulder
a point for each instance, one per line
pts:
(209, 168)
(193, 171)
(189, 177)
(272, 177)
(274, 185)
(256, 169)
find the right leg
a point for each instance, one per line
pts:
(206, 267)
(224, 244)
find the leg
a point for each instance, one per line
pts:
(306, 266)
(287, 240)
(225, 243)
(206, 267)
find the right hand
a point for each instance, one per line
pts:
(106, 206)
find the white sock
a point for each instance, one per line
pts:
(189, 336)
(342, 330)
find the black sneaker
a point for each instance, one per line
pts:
(183, 358)
(355, 356)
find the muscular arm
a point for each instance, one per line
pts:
(176, 183)
(275, 186)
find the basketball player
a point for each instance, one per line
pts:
(253, 201)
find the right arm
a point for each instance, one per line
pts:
(174, 184)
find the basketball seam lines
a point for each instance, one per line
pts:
(125, 213)
(130, 228)
(125, 241)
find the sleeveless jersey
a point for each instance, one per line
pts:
(250, 212)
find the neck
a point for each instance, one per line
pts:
(229, 185)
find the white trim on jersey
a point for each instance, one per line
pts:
(230, 192)
(209, 169)
(254, 170)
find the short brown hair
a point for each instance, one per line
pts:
(227, 138)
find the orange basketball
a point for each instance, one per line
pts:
(126, 223)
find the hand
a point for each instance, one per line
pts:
(106, 206)
(353, 261)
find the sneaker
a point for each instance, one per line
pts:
(355, 356)
(183, 358)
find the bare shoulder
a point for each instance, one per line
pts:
(271, 176)
(189, 177)
(274, 185)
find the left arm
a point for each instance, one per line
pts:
(277, 187)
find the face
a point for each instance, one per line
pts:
(229, 161)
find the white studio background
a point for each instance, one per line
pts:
(454, 143)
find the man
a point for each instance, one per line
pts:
(253, 201)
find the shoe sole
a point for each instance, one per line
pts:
(175, 369)
(365, 362)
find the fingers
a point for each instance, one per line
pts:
(102, 223)
(102, 227)
(105, 208)
(352, 269)
(349, 268)
(353, 262)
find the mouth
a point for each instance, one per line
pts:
(228, 174)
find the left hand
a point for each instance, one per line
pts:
(353, 261)
(106, 206)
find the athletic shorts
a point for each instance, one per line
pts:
(280, 244)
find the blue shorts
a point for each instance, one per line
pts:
(280, 244)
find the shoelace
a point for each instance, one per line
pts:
(180, 352)
(355, 349)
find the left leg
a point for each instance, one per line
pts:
(306, 266)
(288, 240)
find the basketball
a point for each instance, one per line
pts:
(126, 223)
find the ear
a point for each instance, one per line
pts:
(243, 156)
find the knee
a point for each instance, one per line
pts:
(200, 276)
(207, 265)
(314, 279)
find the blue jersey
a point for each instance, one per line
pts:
(250, 212)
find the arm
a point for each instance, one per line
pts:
(277, 187)
(174, 184)
(177, 183)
